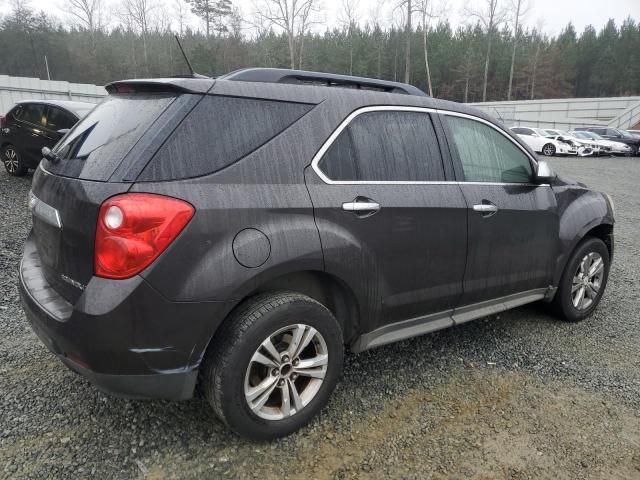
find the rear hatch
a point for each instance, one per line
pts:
(100, 157)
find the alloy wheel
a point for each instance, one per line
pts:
(549, 150)
(587, 281)
(286, 372)
(11, 160)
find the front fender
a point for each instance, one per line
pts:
(580, 210)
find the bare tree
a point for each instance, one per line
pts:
(490, 17)
(139, 13)
(181, 11)
(428, 12)
(375, 14)
(348, 18)
(86, 13)
(307, 18)
(519, 9)
(407, 50)
(292, 16)
(538, 38)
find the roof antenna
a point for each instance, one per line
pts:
(186, 59)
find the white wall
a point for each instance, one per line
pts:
(566, 113)
(13, 89)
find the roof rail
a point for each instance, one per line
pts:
(282, 75)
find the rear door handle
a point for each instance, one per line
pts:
(361, 206)
(486, 208)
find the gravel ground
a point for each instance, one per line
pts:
(518, 395)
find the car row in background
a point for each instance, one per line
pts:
(582, 141)
(32, 125)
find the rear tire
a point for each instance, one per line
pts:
(258, 395)
(583, 281)
(12, 161)
(549, 150)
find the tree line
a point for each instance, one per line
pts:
(490, 56)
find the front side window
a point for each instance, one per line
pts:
(385, 146)
(486, 154)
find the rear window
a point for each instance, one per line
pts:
(99, 142)
(219, 132)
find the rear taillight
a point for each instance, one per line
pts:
(3, 121)
(133, 229)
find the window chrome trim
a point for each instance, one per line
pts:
(393, 108)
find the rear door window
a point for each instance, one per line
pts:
(386, 146)
(99, 142)
(219, 132)
(59, 119)
(34, 113)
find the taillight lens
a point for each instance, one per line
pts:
(133, 229)
(3, 121)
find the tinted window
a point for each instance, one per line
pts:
(486, 154)
(385, 146)
(523, 131)
(218, 132)
(33, 113)
(98, 143)
(58, 119)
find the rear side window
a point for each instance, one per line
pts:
(385, 146)
(486, 154)
(219, 132)
(99, 142)
(58, 119)
(34, 113)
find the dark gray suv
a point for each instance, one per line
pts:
(238, 234)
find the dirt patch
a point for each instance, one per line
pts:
(483, 424)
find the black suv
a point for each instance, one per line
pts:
(616, 135)
(237, 234)
(32, 125)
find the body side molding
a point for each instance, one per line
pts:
(438, 321)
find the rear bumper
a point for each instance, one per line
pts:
(122, 335)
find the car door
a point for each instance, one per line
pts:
(31, 136)
(512, 222)
(390, 223)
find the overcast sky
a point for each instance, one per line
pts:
(554, 14)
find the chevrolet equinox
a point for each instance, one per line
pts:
(234, 236)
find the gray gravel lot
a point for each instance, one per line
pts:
(518, 395)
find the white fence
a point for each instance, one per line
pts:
(14, 89)
(566, 113)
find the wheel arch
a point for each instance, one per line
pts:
(327, 289)
(603, 231)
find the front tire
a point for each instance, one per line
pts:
(549, 150)
(12, 160)
(273, 365)
(583, 281)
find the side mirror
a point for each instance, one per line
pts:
(544, 174)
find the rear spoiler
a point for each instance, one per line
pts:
(161, 85)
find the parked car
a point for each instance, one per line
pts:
(584, 147)
(239, 233)
(616, 135)
(607, 147)
(33, 124)
(543, 143)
